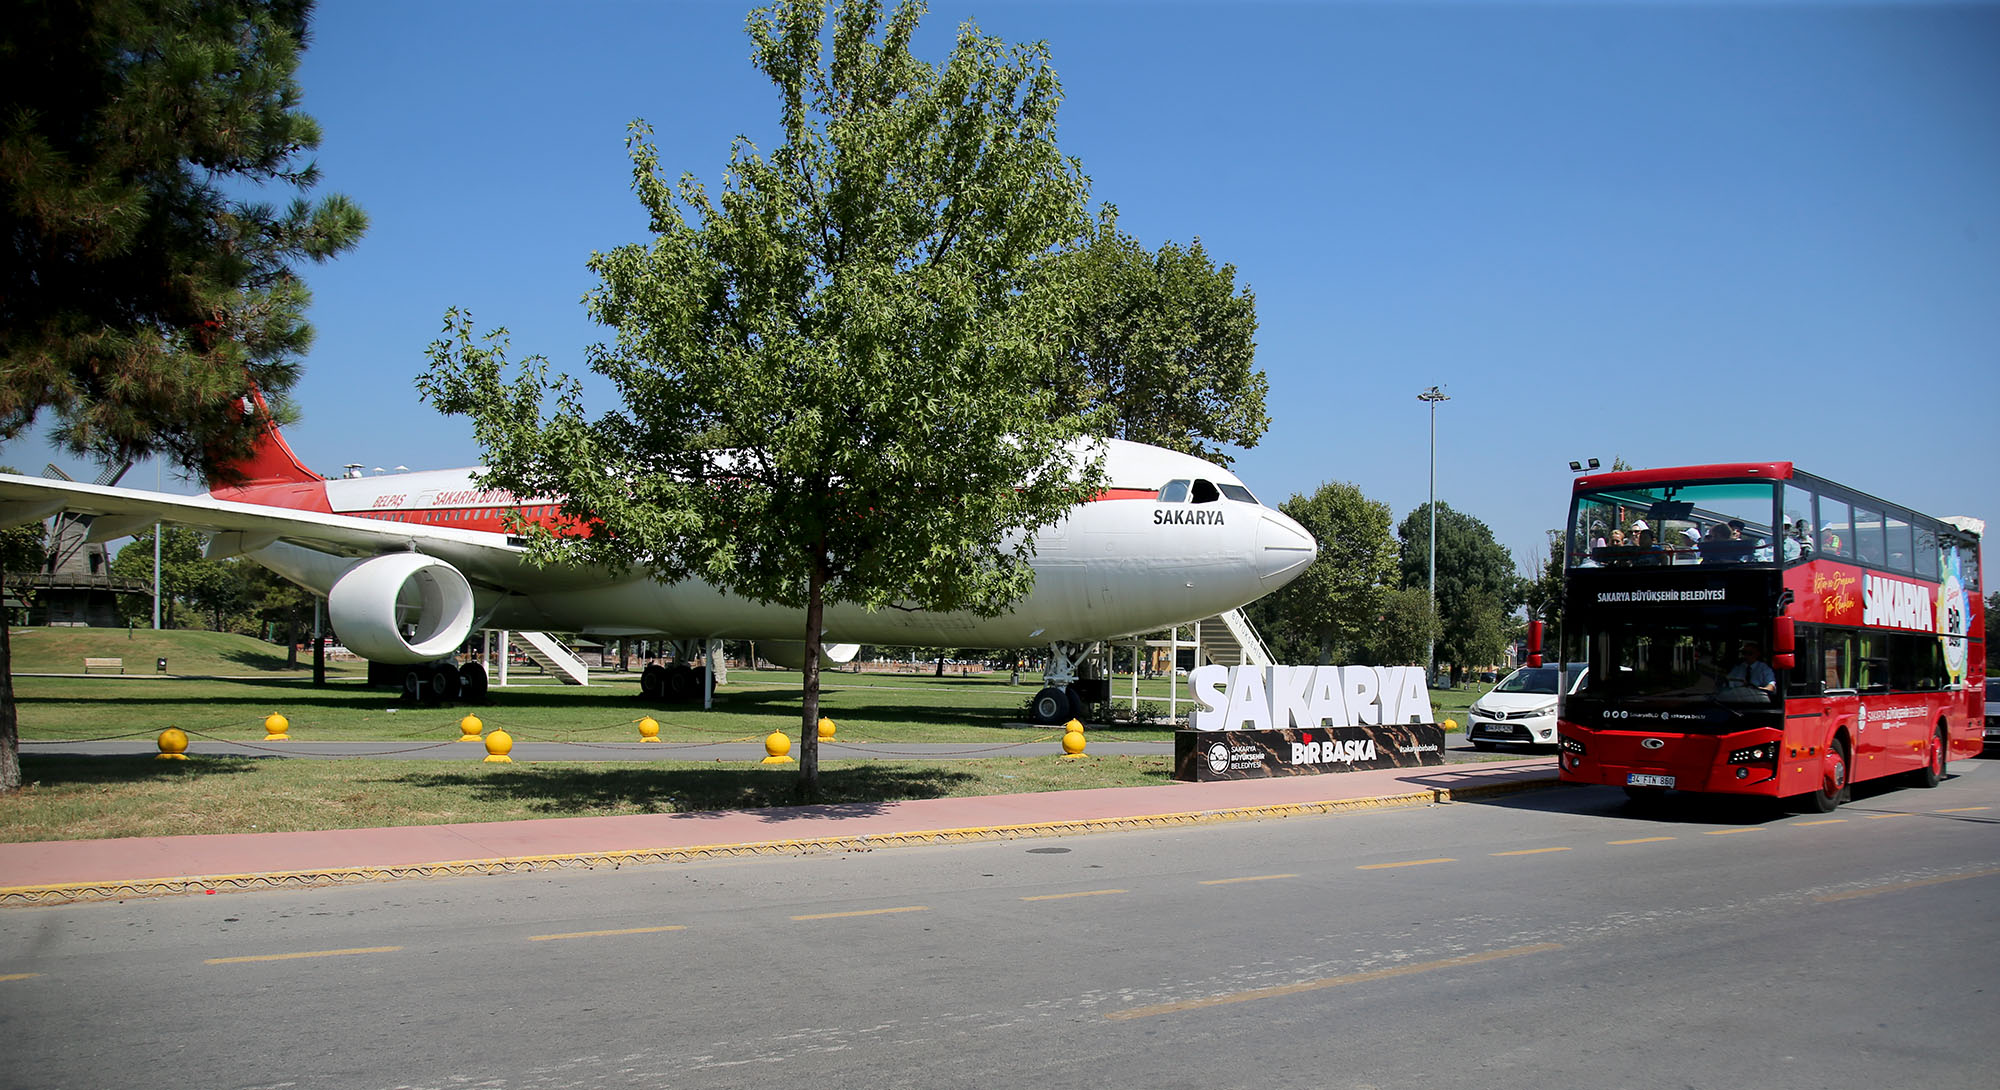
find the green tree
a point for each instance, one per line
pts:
(282, 607)
(1403, 631)
(1543, 595)
(141, 283)
(836, 378)
(1162, 346)
(1476, 584)
(1329, 611)
(1992, 645)
(188, 579)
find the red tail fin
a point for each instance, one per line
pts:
(271, 460)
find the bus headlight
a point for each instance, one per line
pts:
(1766, 753)
(1569, 745)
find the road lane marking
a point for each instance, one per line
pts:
(863, 912)
(601, 934)
(1961, 809)
(1728, 832)
(1278, 990)
(1641, 840)
(304, 954)
(1822, 821)
(18, 976)
(1406, 863)
(1532, 851)
(1899, 887)
(1878, 817)
(1247, 878)
(1080, 893)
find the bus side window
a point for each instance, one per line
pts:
(1868, 537)
(1836, 650)
(1804, 680)
(1836, 532)
(1874, 662)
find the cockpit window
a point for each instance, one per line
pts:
(1174, 492)
(1237, 492)
(1203, 492)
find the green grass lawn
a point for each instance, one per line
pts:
(85, 797)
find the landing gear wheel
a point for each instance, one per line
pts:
(680, 685)
(653, 681)
(1076, 705)
(1051, 706)
(1932, 773)
(472, 683)
(1833, 781)
(413, 685)
(440, 683)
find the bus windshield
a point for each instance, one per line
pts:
(1642, 526)
(1691, 661)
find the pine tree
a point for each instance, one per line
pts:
(144, 282)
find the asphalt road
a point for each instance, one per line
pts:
(1552, 939)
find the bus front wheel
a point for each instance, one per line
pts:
(1832, 780)
(1932, 773)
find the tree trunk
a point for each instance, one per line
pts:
(808, 785)
(10, 728)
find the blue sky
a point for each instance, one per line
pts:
(1674, 233)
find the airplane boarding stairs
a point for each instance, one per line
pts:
(549, 653)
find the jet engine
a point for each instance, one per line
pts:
(373, 600)
(791, 654)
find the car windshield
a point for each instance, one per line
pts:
(1534, 679)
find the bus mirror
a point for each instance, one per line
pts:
(1783, 661)
(1783, 641)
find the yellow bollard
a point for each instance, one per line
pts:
(497, 746)
(469, 728)
(649, 729)
(776, 745)
(826, 729)
(173, 745)
(274, 728)
(1073, 742)
(1450, 725)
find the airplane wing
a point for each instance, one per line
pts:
(244, 527)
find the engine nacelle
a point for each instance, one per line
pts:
(371, 601)
(791, 654)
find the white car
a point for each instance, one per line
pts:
(1522, 708)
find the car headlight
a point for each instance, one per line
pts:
(1546, 709)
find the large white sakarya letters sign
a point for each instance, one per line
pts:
(1283, 697)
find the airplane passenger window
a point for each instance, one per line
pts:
(1205, 492)
(1237, 492)
(1174, 492)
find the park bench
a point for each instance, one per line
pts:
(106, 665)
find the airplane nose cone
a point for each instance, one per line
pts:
(1284, 550)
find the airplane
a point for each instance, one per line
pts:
(411, 563)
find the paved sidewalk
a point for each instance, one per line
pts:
(56, 872)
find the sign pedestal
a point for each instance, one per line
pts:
(1205, 755)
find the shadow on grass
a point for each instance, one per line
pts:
(560, 791)
(72, 771)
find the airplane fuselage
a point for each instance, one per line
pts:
(1172, 539)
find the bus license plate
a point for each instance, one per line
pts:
(1647, 779)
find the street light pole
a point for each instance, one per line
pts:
(1433, 395)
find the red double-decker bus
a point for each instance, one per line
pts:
(1755, 630)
